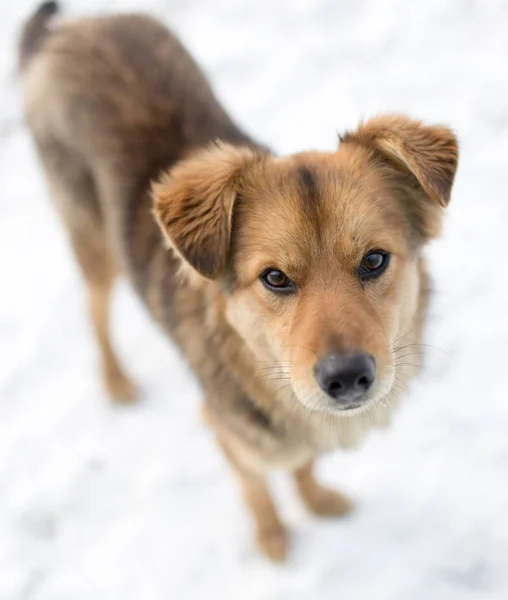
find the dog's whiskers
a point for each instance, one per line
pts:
(403, 336)
(428, 347)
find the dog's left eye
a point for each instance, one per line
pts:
(373, 264)
(277, 281)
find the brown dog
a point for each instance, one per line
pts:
(294, 286)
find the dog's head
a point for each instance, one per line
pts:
(317, 253)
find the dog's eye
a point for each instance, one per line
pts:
(277, 281)
(374, 264)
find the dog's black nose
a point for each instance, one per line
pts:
(345, 377)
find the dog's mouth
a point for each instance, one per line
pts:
(350, 406)
(317, 401)
(353, 406)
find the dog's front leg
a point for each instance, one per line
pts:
(319, 499)
(271, 533)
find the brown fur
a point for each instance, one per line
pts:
(111, 103)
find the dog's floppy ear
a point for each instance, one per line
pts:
(428, 153)
(194, 205)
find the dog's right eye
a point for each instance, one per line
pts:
(277, 281)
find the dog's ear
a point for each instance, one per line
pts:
(427, 154)
(194, 205)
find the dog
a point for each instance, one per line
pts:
(294, 286)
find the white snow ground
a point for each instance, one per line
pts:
(106, 503)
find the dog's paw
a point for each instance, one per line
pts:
(328, 503)
(120, 388)
(273, 543)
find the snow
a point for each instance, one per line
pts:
(101, 502)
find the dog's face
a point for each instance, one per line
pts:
(317, 253)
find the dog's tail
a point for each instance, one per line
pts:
(34, 32)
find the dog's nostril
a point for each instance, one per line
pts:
(364, 381)
(335, 386)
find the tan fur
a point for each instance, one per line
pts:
(318, 499)
(112, 102)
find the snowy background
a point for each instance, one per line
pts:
(103, 503)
